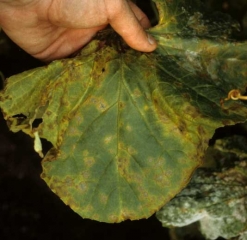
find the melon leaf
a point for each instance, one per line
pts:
(129, 128)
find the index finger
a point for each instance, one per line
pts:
(124, 18)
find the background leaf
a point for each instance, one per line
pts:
(129, 128)
(215, 197)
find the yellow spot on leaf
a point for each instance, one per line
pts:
(146, 108)
(89, 161)
(108, 139)
(99, 103)
(129, 128)
(137, 92)
(73, 131)
(131, 150)
(103, 198)
(85, 153)
(78, 119)
(83, 187)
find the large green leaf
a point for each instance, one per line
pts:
(129, 128)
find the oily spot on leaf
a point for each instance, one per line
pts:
(129, 128)
(192, 112)
(72, 204)
(99, 103)
(123, 164)
(108, 139)
(147, 200)
(187, 97)
(137, 93)
(164, 118)
(65, 102)
(146, 108)
(151, 160)
(100, 68)
(89, 209)
(78, 118)
(125, 214)
(134, 178)
(103, 198)
(179, 84)
(85, 153)
(162, 180)
(202, 143)
(182, 127)
(58, 188)
(131, 150)
(114, 218)
(162, 114)
(73, 131)
(89, 161)
(201, 130)
(102, 106)
(48, 113)
(121, 105)
(83, 187)
(85, 176)
(232, 106)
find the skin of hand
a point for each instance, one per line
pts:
(54, 29)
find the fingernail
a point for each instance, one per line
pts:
(151, 39)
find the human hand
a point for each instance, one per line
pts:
(53, 29)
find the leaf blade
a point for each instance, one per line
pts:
(128, 128)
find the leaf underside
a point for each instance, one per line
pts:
(129, 128)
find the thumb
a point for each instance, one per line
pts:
(126, 19)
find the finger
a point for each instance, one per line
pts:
(140, 15)
(125, 22)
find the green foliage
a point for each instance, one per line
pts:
(129, 128)
(216, 197)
